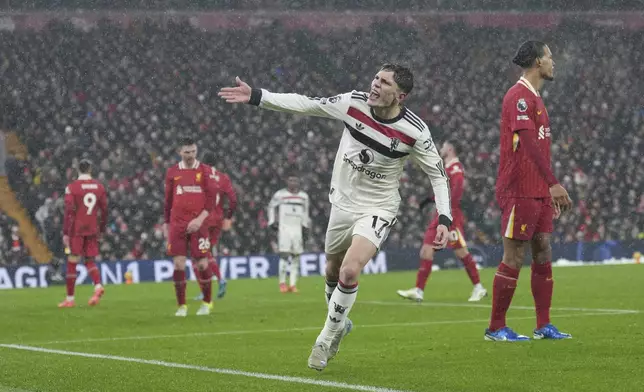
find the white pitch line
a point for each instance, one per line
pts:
(261, 331)
(462, 305)
(231, 372)
(404, 302)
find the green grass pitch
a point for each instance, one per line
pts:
(259, 340)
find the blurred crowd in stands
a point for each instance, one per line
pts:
(121, 97)
(333, 5)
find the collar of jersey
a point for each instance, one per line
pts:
(528, 85)
(451, 162)
(403, 110)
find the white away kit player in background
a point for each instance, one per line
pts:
(379, 135)
(291, 225)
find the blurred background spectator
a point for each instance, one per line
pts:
(122, 96)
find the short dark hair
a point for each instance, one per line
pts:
(455, 145)
(186, 141)
(403, 76)
(528, 52)
(209, 159)
(292, 173)
(85, 166)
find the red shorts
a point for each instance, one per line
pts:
(179, 241)
(84, 246)
(215, 232)
(523, 218)
(456, 239)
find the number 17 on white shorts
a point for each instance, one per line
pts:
(343, 225)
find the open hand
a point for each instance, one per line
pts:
(239, 94)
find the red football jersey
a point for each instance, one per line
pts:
(220, 187)
(186, 192)
(84, 199)
(518, 175)
(456, 174)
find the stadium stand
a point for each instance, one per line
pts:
(121, 96)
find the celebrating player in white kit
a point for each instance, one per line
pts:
(379, 134)
(292, 227)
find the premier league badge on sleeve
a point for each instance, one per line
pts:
(522, 105)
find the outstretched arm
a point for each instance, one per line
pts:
(333, 107)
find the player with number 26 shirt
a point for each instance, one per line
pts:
(188, 201)
(85, 206)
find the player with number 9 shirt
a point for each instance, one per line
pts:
(85, 200)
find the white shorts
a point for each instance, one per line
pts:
(290, 241)
(343, 225)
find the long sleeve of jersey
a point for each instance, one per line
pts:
(70, 212)
(427, 157)
(168, 196)
(229, 191)
(529, 143)
(275, 201)
(332, 107)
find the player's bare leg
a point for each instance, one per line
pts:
(478, 292)
(205, 282)
(70, 278)
(95, 275)
(542, 287)
(505, 283)
(341, 301)
(332, 274)
(282, 269)
(294, 273)
(179, 278)
(424, 270)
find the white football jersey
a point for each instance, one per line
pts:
(292, 210)
(372, 152)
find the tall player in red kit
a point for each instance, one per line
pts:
(529, 195)
(85, 206)
(219, 219)
(456, 240)
(187, 195)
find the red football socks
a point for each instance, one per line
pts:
(470, 268)
(179, 278)
(505, 282)
(542, 286)
(214, 268)
(92, 271)
(205, 282)
(71, 278)
(424, 271)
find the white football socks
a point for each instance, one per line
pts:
(282, 270)
(340, 304)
